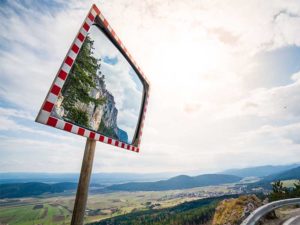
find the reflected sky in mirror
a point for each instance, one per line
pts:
(120, 80)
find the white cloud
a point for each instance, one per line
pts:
(34, 49)
(296, 77)
(33, 155)
(8, 123)
(196, 55)
(275, 103)
(119, 82)
(15, 113)
(286, 134)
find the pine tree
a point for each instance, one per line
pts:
(278, 191)
(296, 190)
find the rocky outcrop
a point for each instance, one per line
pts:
(234, 211)
(107, 112)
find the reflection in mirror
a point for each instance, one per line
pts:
(102, 91)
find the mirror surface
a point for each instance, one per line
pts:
(102, 92)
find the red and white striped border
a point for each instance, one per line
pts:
(51, 98)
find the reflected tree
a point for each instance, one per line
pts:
(80, 82)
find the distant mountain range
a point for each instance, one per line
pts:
(286, 175)
(49, 184)
(99, 178)
(29, 189)
(117, 178)
(268, 173)
(260, 171)
(178, 182)
(291, 174)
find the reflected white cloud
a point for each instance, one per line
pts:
(121, 81)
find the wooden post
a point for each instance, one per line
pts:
(84, 181)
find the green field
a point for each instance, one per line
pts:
(51, 209)
(34, 214)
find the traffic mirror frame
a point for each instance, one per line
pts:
(44, 116)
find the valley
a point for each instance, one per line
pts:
(161, 200)
(57, 208)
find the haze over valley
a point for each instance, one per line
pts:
(113, 195)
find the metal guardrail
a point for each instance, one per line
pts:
(257, 214)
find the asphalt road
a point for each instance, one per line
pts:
(293, 221)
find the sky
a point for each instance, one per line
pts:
(225, 83)
(120, 80)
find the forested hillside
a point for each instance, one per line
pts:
(19, 190)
